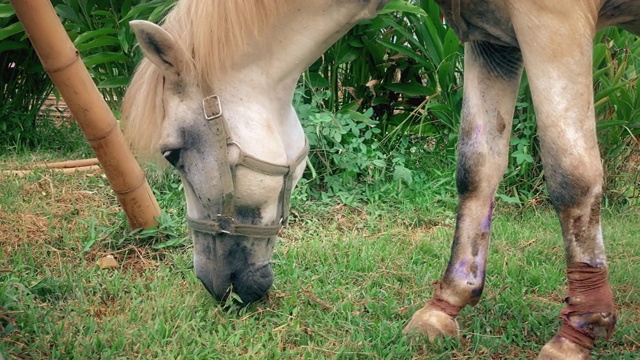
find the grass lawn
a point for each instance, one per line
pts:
(347, 281)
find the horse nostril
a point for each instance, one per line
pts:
(253, 284)
(250, 285)
(172, 156)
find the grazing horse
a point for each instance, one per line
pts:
(214, 94)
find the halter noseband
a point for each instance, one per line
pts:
(224, 222)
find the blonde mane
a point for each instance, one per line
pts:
(215, 32)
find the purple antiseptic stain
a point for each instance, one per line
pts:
(486, 223)
(472, 271)
(461, 270)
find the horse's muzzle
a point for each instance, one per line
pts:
(238, 264)
(250, 285)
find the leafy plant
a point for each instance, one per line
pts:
(99, 30)
(616, 64)
(390, 79)
(24, 86)
(101, 33)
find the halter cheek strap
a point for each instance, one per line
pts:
(224, 222)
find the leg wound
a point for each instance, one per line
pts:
(440, 304)
(589, 293)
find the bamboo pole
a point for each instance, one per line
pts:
(62, 62)
(64, 164)
(66, 170)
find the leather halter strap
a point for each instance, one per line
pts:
(224, 223)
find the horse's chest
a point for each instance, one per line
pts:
(479, 21)
(624, 13)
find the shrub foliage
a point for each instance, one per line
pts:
(380, 106)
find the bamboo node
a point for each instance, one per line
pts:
(75, 58)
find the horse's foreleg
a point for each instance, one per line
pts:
(491, 80)
(557, 58)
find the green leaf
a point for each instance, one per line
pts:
(104, 57)
(599, 52)
(356, 116)
(66, 12)
(405, 51)
(9, 45)
(401, 173)
(600, 125)
(317, 81)
(100, 42)
(402, 6)
(6, 10)
(411, 89)
(348, 56)
(173, 242)
(508, 199)
(86, 36)
(114, 82)
(11, 30)
(408, 36)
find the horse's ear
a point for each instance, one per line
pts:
(158, 46)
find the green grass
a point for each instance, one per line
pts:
(347, 281)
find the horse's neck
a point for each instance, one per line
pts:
(305, 32)
(263, 81)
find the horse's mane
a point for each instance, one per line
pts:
(215, 32)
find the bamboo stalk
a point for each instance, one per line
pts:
(65, 164)
(66, 170)
(62, 62)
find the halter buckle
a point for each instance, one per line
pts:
(226, 223)
(212, 107)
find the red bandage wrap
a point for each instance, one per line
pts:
(440, 304)
(589, 293)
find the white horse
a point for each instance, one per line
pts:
(214, 98)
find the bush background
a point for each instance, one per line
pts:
(381, 107)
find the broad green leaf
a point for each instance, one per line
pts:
(600, 73)
(403, 6)
(11, 30)
(100, 42)
(104, 57)
(451, 44)
(600, 125)
(411, 89)
(86, 36)
(6, 10)
(317, 81)
(404, 32)
(104, 13)
(114, 82)
(348, 56)
(608, 91)
(404, 51)
(401, 173)
(9, 45)
(66, 12)
(356, 116)
(599, 51)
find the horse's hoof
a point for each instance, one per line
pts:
(560, 348)
(434, 323)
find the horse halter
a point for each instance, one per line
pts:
(224, 222)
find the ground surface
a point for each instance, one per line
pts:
(347, 280)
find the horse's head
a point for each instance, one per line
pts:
(239, 153)
(237, 189)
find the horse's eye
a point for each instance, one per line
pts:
(172, 156)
